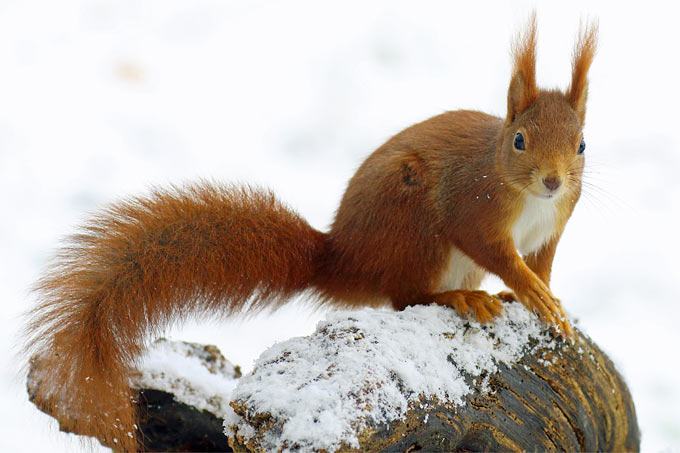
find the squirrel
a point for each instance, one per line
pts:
(424, 219)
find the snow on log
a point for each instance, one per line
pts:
(422, 378)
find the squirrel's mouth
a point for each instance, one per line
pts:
(545, 193)
(550, 195)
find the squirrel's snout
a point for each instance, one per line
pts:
(552, 182)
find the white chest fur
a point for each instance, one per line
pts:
(460, 273)
(533, 228)
(535, 225)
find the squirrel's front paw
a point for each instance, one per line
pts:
(538, 298)
(484, 306)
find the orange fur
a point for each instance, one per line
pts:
(523, 90)
(142, 264)
(584, 52)
(423, 219)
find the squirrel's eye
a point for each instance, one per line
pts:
(582, 146)
(519, 142)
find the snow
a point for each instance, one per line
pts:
(101, 99)
(177, 368)
(323, 391)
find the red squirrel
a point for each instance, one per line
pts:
(424, 219)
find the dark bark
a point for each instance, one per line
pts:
(169, 425)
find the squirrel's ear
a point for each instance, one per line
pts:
(523, 91)
(584, 51)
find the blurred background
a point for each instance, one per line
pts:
(101, 99)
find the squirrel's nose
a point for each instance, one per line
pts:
(552, 182)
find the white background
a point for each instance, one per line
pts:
(101, 99)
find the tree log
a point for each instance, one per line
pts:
(554, 396)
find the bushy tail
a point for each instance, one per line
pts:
(143, 263)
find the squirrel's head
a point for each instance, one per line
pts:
(542, 145)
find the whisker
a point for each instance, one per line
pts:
(603, 199)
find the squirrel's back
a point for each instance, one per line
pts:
(397, 198)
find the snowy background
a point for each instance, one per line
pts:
(100, 99)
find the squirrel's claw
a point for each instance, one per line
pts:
(483, 306)
(539, 299)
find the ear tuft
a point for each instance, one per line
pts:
(584, 51)
(523, 91)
